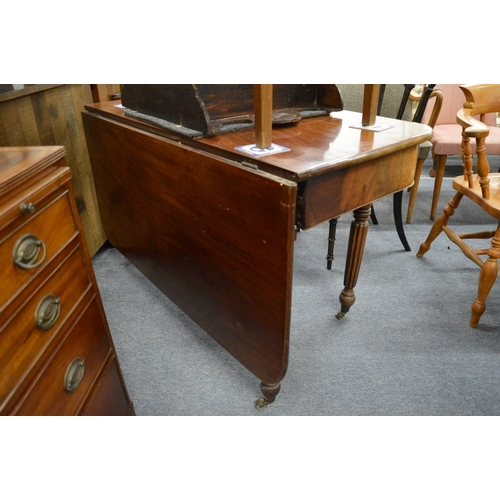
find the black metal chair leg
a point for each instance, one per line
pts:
(397, 200)
(373, 217)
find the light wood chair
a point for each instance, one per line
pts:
(482, 188)
(447, 136)
(430, 116)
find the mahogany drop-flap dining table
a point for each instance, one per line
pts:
(214, 228)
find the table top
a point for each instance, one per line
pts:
(317, 145)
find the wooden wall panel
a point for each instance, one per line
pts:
(52, 116)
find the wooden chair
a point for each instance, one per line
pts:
(430, 115)
(395, 101)
(447, 136)
(482, 188)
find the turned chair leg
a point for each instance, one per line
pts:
(440, 164)
(331, 242)
(441, 221)
(487, 278)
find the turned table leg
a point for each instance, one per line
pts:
(270, 392)
(357, 239)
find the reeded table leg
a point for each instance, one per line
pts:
(357, 240)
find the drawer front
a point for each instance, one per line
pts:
(64, 384)
(108, 397)
(22, 340)
(32, 244)
(17, 207)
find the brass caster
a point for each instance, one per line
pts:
(270, 392)
(340, 315)
(262, 403)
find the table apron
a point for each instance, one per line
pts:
(343, 190)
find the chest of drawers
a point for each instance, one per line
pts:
(56, 352)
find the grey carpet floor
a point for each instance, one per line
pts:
(405, 348)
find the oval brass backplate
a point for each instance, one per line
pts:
(74, 374)
(47, 312)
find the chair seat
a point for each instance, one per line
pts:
(444, 140)
(491, 205)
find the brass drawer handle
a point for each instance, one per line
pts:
(27, 251)
(74, 374)
(27, 208)
(47, 312)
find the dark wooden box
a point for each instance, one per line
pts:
(211, 109)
